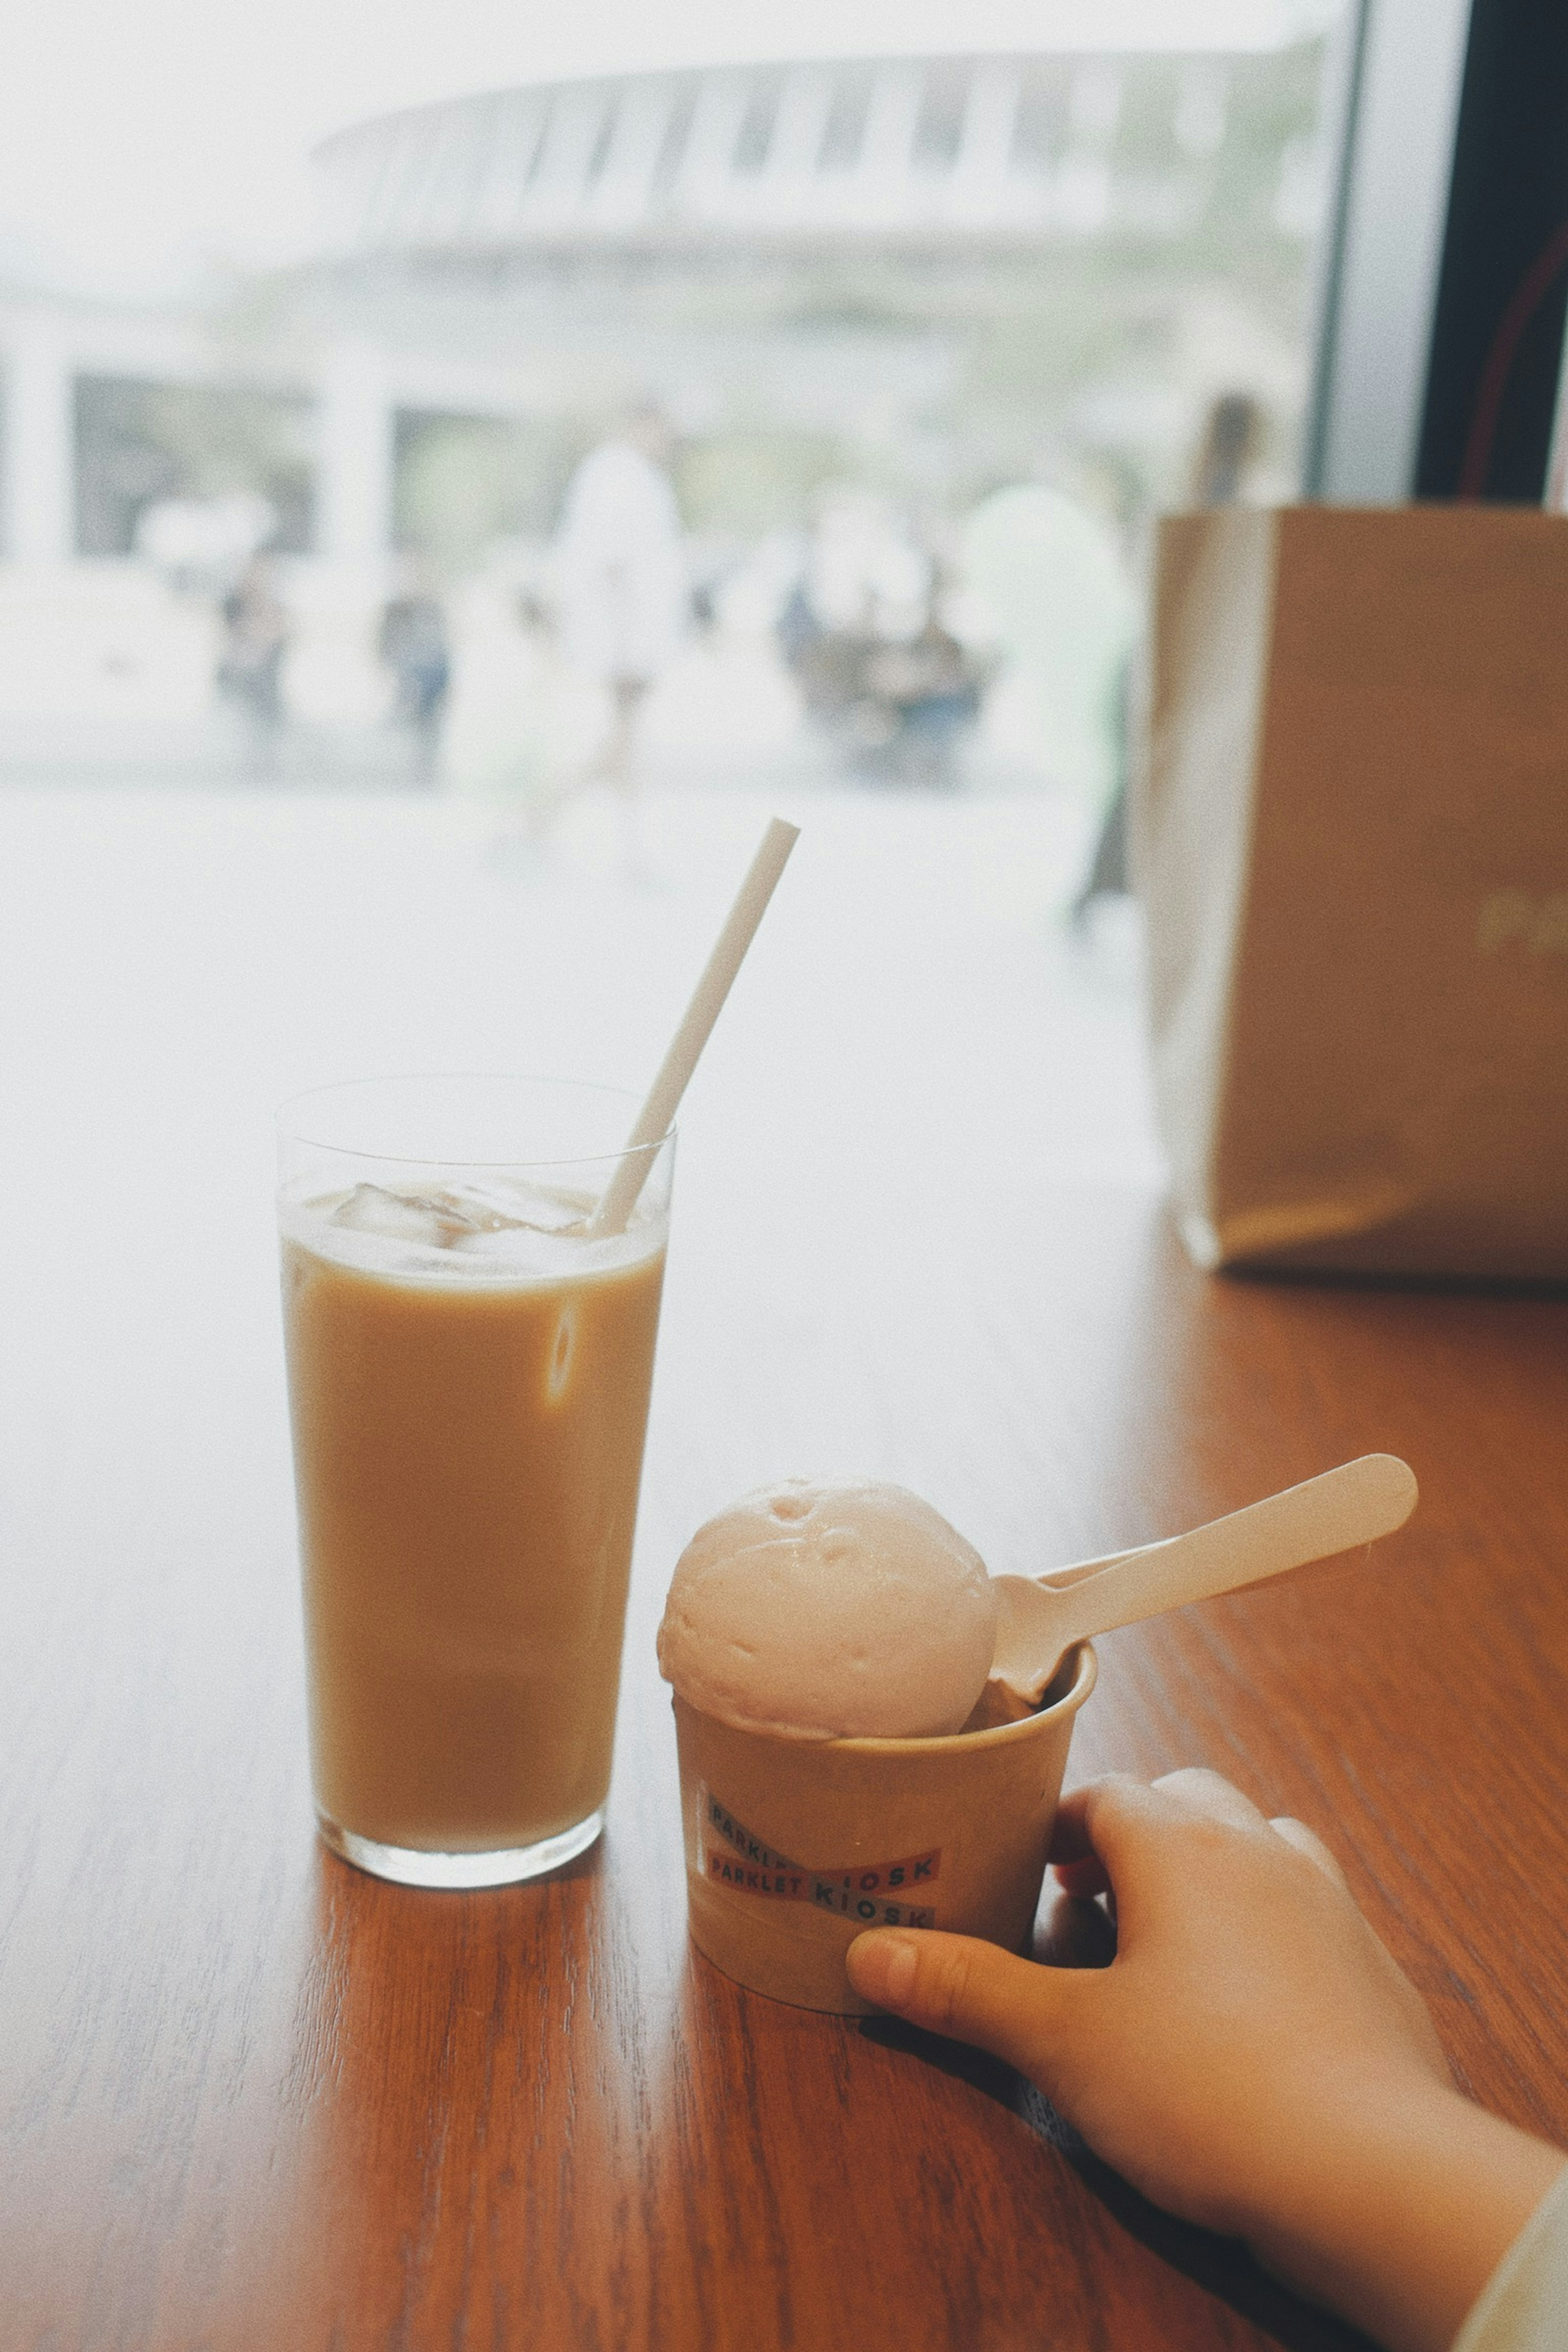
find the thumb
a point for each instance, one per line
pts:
(972, 1990)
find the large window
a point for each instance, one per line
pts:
(908, 348)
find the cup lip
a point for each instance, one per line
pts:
(1078, 1690)
(288, 1131)
(1085, 1675)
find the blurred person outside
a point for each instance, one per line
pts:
(1227, 454)
(521, 732)
(864, 634)
(1229, 450)
(930, 690)
(1047, 589)
(413, 643)
(250, 673)
(623, 598)
(501, 738)
(554, 662)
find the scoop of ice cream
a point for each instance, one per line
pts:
(827, 1612)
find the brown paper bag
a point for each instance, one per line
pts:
(1351, 835)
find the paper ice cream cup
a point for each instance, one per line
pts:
(794, 1846)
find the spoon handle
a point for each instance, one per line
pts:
(1342, 1508)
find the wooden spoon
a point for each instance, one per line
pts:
(1041, 1617)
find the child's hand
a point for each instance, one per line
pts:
(1245, 1986)
(1252, 2059)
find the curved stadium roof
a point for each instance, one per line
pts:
(936, 149)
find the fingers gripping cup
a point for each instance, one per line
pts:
(469, 1363)
(827, 1646)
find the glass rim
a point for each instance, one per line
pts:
(297, 1135)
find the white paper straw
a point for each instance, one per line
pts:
(653, 1120)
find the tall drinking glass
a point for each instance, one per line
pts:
(469, 1376)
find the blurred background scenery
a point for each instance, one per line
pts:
(790, 416)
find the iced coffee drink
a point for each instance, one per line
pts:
(469, 1366)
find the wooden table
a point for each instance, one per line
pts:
(250, 2098)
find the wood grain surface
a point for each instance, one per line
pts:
(251, 2098)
